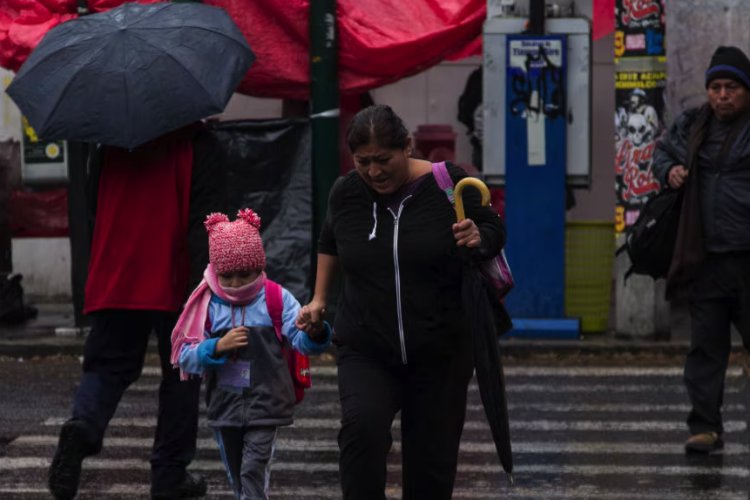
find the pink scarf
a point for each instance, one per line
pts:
(192, 322)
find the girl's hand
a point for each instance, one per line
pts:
(316, 333)
(234, 338)
(467, 234)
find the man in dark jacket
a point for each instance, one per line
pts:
(706, 153)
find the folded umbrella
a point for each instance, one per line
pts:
(130, 74)
(476, 295)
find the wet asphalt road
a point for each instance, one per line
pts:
(583, 432)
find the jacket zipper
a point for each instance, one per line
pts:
(399, 312)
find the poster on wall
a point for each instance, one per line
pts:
(639, 28)
(42, 161)
(536, 99)
(640, 82)
(639, 122)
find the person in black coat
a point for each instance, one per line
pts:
(706, 153)
(400, 330)
(175, 180)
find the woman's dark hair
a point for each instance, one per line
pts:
(379, 123)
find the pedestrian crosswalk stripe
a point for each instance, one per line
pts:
(566, 408)
(595, 448)
(620, 470)
(603, 371)
(523, 388)
(394, 492)
(109, 442)
(589, 493)
(335, 407)
(527, 425)
(14, 463)
(528, 447)
(612, 425)
(606, 408)
(540, 371)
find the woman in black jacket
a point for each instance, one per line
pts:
(399, 328)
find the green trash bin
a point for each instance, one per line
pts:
(589, 257)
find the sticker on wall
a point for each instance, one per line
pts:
(640, 83)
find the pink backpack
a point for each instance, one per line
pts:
(495, 271)
(299, 364)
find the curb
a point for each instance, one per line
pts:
(41, 347)
(527, 348)
(65, 345)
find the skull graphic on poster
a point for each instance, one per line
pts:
(640, 130)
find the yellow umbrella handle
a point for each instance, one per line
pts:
(458, 191)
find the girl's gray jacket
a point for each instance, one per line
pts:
(251, 387)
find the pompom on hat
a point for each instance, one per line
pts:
(731, 63)
(235, 246)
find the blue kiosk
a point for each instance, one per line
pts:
(531, 103)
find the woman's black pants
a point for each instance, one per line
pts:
(431, 396)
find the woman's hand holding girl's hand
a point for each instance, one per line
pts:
(310, 320)
(234, 338)
(467, 234)
(303, 321)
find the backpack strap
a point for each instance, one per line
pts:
(444, 181)
(275, 306)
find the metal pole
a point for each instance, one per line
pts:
(324, 108)
(80, 224)
(8, 151)
(536, 17)
(82, 8)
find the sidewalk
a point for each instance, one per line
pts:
(53, 333)
(37, 337)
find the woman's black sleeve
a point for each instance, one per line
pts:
(327, 239)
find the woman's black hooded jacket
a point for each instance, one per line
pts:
(401, 294)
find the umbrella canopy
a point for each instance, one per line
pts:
(128, 75)
(480, 303)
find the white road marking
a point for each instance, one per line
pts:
(527, 425)
(539, 371)
(17, 463)
(330, 445)
(677, 388)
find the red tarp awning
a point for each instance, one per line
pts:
(380, 41)
(604, 18)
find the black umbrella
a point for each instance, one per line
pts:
(477, 297)
(130, 74)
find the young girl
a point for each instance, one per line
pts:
(226, 332)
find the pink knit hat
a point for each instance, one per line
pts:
(235, 246)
